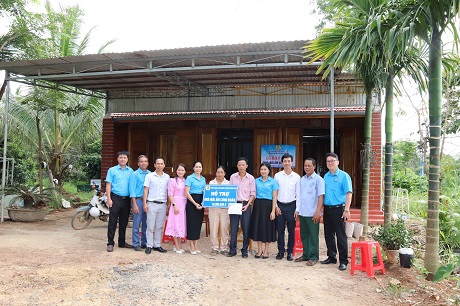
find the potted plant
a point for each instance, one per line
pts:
(392, 237)
(33, 206)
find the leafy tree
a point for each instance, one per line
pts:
(405, 156)
(22, 27)
(53, 123)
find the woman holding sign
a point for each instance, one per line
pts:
(194, 212)
(219, 219)
(263, 214)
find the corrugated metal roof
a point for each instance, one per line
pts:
(269, 63)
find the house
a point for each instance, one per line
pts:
(216, 103)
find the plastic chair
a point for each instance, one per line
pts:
(367, 263)
(298, 246)
(169, 238)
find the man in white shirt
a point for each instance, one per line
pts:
(288, 193)
(155, 198)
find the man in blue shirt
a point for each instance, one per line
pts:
(337, 201)
(117, 190)
(308, 212)
(136, 192)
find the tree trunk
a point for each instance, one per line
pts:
(434, 102)
(366, 160)
(39, 152)
(388, 149)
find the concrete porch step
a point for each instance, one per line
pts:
(375, 216)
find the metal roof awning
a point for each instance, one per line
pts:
(317, 111)
(200, 68)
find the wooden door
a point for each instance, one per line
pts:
(349, 160)
(294, 136)
(263, 137)
(208, 151)
(186, 152)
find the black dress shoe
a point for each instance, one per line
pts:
(126, 246)
(280, 256)
(244, 255)
(257, 256)
(137, 248)
(231, 254)
(342, 267)
(148, 250)
(328, 261)
(290, 257)
(143, 246)
(160, 249)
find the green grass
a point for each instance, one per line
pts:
(71, 187)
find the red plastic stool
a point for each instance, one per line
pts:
(169, 238)
(166, 238)
(298, 246)
(367, 263)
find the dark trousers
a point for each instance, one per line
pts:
(287, 216)
(119, 213)
(309, 233)
(334, 226)
(245, 218)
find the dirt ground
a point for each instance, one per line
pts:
(50, 263)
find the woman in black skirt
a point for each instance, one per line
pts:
(263, 214)
(194, 212)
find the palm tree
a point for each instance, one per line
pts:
(429, 20)
(348, 45)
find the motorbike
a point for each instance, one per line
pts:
(97, 208)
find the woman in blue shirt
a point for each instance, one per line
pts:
(263, 214)
(194, 212)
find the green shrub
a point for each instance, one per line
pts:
(449, 224)
(410, 181)
(393, 236)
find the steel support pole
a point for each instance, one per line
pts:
(5, 142)
(332, 109)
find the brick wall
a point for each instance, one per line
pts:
(375, 184)
(108, 147)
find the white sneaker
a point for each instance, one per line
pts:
(178, 252)
(193, 252)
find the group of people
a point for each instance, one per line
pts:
(268, 206)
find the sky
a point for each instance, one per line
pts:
(163, 24)
(154, 24)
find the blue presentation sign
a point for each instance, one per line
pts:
(218, 196)
(272, 154)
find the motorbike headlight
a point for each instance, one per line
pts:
(94, 212)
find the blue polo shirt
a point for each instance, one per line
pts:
(196, 185)
(119, 180)
(337, 187)
(264, 190)
(136, 183)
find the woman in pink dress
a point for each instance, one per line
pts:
(176, 226)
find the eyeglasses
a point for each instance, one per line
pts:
(331, 161)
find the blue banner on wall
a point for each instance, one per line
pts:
(272, 154)
(218, 196)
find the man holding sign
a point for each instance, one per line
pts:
(245, 197)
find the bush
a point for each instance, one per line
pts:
(410, 181)
(25, 168)
(393, 236)
(449, 224)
